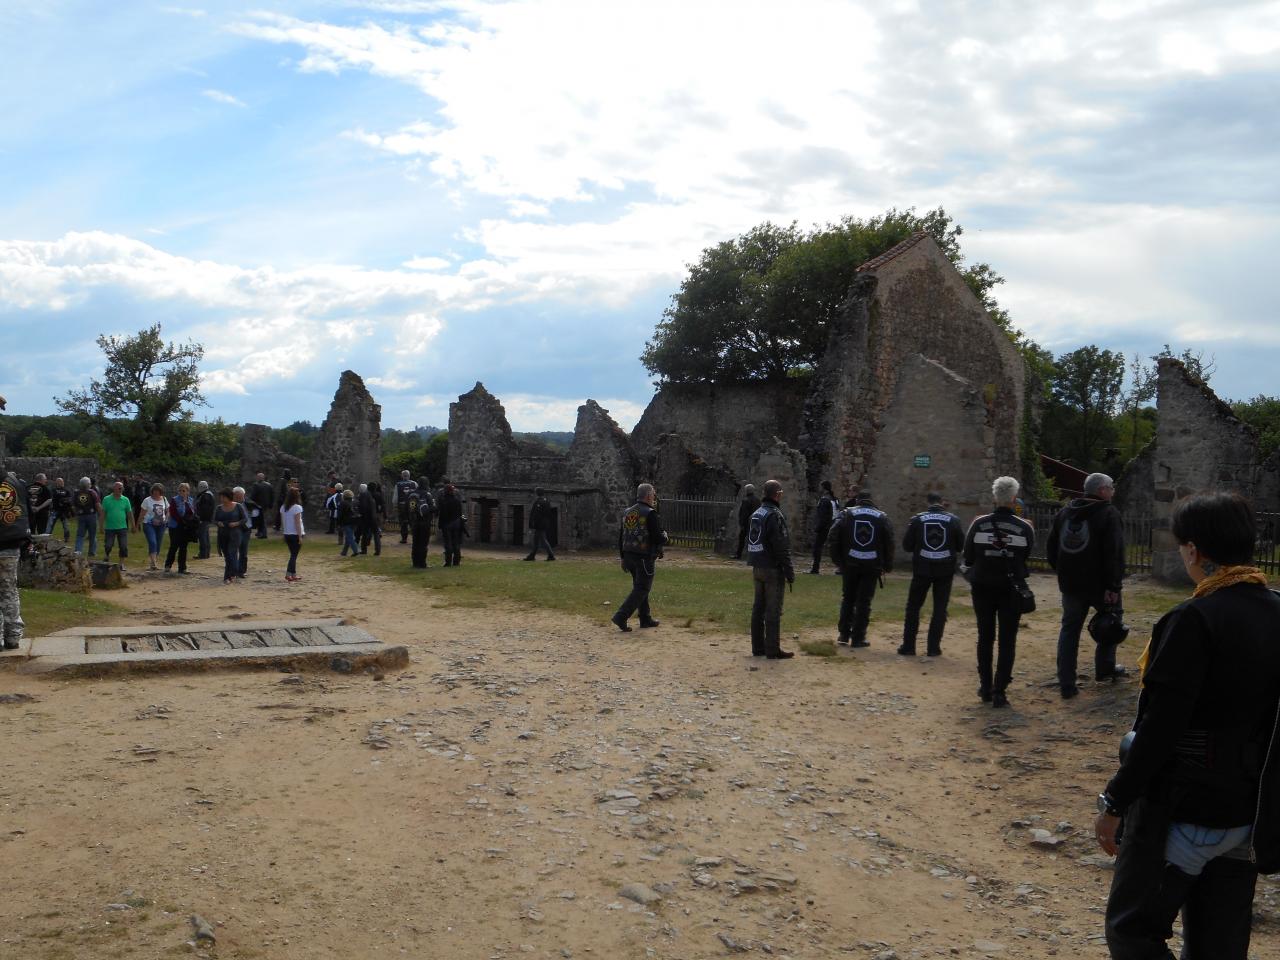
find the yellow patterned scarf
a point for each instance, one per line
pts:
(1223, 577)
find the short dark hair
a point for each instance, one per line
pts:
(537, 491)
(934, 498)
(1221, 525)
(227, 492)
(826, 485)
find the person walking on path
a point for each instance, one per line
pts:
(748, 505)
(400, 499)
(245, 531)
(184, 527)
(206, 503)
(154, 517)
(452, 521)
(293, 529)
(348, 517)
(769, 554)
(935, 539)
(1086, 549)
(540, 518)
(369, 525)
(823, 516)
(996, 550)
(641, 540)
(229, 519)
(88, 511)
(117, 522)
(862, 545)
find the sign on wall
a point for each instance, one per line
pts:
(923, 460)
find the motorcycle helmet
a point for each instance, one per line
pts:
(1107, 629)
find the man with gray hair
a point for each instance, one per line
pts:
(87, 508)
(1086, 548)
(640, 542)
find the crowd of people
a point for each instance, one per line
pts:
(1193, 812)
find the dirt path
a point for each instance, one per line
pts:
(495, 799)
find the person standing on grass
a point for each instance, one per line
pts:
(14, 538)
(117, 522)
(641, 540)
(366, 526)
(39, 500)
(229, 519)
(451, 520)
(749, 504)
(293, 529)
(206, 503)
(154, 517)
(862, 545)
(769, 554)
(184, 527)
(88, 511)
(60, 508)
(262, 494)
(400, 497)
(348, 517)
(379, 515)
(137, 493)
(934, 539)
(823, 516)
(539, 523)
(421, 507)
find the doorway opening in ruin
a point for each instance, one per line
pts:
(553, 534)
(488, 532)
(517, 526)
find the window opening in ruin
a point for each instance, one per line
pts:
(517, 526)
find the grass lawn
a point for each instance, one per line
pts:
(48, 611)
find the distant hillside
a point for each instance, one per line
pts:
(556, 439)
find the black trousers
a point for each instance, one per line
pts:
(921, 584)
(1147, 893)
(260, 525)
(766, 610)
(642, 570)
(451, 537)
(404, 528)
(996, 609)
(742, 542)
(421, 539)
(371, 531)
(819, 543)
(855, 602)
(178, 541)
(540, 542)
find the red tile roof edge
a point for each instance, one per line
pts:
(893, 252)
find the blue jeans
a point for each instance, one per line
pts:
(87, 525)
(229, 545)
(54, 520)
(155, 537)
(1075, 610)
(349, 539)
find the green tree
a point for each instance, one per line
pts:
(1193, 360)
(1086, 385)
(1263, 414)
(147, 388)
(426, 461)
(759, 307)
(1135, 402)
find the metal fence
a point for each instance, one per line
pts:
(1137, 538)
(1266, 550)
(695, 522)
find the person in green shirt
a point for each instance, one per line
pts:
(119, 520)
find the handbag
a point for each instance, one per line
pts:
(1023, 596)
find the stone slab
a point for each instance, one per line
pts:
(23, 651)
(57, 646)
(198, 627)
(347, 635)
(345, 657)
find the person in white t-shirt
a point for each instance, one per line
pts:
(153, 517)
(292, 527)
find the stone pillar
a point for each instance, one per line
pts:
(349, 443)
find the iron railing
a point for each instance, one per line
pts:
(1137, 538)
(694, 521)
(1267, 546)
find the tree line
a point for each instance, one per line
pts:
(760, 306)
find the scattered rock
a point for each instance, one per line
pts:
(203, 930)
(640, 894)
(16, 698)
(988, 946)
(731, 944)
(1045, 839)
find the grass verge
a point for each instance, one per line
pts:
(48, 611)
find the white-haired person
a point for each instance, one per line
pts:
(995, 556)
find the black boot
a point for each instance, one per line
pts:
(907, 650)
(773, 641)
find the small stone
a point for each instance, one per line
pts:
(732, 944)
(1045, 840)
(118, 906)
(988, 946)
(203, 929)
(705, 880)
(708, 861)
(567, 895)
(639, 893)
(886, 955)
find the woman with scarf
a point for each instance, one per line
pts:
(184, 526)
(1198, 792)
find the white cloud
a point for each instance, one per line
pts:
(221, 96)
(427, 263)
(536, 412)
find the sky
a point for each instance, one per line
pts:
(436, 193)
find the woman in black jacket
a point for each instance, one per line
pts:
(1199, 789)
(995, 556)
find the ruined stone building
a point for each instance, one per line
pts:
(589, 486)
(1199, 445)
(918, 390)
(349, 443)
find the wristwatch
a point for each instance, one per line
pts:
(1107, 805)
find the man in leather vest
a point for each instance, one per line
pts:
(39, 505)
(420, 507)
(749, 504)
(862, 548)
(935, 539)
(640, 543)
(540, 518)
(400, 496)
(14, 535)
(769, 554)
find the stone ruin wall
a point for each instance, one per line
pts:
(601, 456)
(260, 453)
(1200, 445)
(349, 442)
(480, 440)
(937, 413)
(54, 565)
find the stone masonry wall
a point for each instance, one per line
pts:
(1200, 445)
(349, 443)
(934, 413)
(54, 565)
(601, 456)
(258, 452)
(480, 441)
